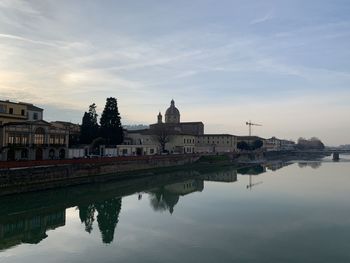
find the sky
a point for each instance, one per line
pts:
(283, 64)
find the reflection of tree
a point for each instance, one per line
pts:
(302, 164)
(108, 217)
(253, 170)
(162, 200)
(87, 216)
(313, 165)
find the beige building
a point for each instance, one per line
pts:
(24, 135)
(216, 143)
(32, 140)
(272, 144)
(181, 137)
(176, 143)
(19, 112)
(172, 122)
(137, 150)
(72, 128)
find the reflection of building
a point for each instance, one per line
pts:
(222, 176)
(185, 187)
(166, 197)
(24, 135)
(29, 228)
(274, 166)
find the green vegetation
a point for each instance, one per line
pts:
(257, 144)
(311, 144)
(111, 128)
(109, 131)
(89, 126)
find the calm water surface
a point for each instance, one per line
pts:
(299, 212)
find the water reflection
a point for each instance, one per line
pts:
(24, 221)
(166, 197)
(252, 170)
(313, 165)
(228, 176)
(107, 217)
(29, 226)
(291, 217)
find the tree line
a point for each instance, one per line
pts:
(310, 144)
(257, 144)
(109, 130)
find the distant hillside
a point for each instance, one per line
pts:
(135, 127)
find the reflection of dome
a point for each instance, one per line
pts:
(172, 114)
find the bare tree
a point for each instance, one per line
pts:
(162, 134)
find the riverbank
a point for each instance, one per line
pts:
(54, 174)
(34, 178)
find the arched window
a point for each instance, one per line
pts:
(24, 154)
(62, 154)
(52, 154)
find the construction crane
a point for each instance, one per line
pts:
(251, 184)
(250, 126)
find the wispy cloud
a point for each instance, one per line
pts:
(54, 52)
(262, 19)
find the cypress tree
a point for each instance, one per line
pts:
(89, 126)
(111, 127)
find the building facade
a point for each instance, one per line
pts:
(216, 143)
(36, 140)
(19, 112)
(173, 122)
(24, 135)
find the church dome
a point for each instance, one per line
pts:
(172, 114)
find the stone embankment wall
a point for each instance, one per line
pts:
(24, 179)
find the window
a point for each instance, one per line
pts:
(3, 108)
(35, 115)
(151, 151)
(24, 154)
(39, 136)
(22, 112)
(10, 110)
(24, 139)
(11, 139)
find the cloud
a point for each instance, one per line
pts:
(19, 5)
(263, 19)
(71, 55)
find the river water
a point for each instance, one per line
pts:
(290, 212)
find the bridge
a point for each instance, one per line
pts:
(335, 152)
